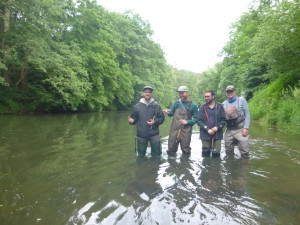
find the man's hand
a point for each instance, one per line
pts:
(245, 132)
(167, 111)
(183, 122)
(211, 132)
(151, 122)
(130, 119)
(214, 129)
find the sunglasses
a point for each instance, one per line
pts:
(229, 91)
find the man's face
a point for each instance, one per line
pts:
(147, 94)
(208, 97)
(230, 94)
(183, 95)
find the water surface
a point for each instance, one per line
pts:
(82, 169)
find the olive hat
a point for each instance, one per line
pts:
(148, 87)
(183, 88)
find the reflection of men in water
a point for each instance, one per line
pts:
(226, 182)
(211, 176)
(182, 184)
(236, 176)
(184, 114)
(145, 186)
(238, 122)
(148, 115)
(211, 120)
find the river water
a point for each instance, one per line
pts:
(82, 169)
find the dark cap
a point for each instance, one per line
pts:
(230, 88)
(148, 87)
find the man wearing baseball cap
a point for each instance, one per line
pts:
(238, 123)
(148, 115)
(184, 113)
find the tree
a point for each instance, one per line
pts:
(277, 43)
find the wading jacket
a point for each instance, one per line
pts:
(142, 113)
(241, 105)
(220, 122)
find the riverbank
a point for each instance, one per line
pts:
(273, 107)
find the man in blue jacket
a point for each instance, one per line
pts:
(211, 120)
(148, 115)
(238, 123)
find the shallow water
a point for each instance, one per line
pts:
(82, 169)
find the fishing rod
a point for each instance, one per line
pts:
(158, 106)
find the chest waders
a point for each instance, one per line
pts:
(233, 133)
(180, 134)
(155, 144)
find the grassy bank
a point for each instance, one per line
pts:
(277, 106)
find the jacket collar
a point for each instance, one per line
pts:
(144, 102)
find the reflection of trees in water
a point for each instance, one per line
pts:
(81, 168)
(51, 163)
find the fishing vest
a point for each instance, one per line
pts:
(233, 117)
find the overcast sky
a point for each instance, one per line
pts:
(190, 32)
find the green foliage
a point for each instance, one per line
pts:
(277, 105)
(143, 58)
(18, 101)
(2, 81)
(288, 111)
(62, 55)
(277, 42)
(262, 59)
(191, 80)
(76, 56)
(265, 102)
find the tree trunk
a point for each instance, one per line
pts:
(5, 45)
(22, 82)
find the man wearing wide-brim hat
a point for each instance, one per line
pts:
(238, 123)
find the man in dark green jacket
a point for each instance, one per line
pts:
(184, 113)
(148, 115)
(211, 120)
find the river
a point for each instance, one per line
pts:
(82, 169)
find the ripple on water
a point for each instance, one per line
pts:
(188, 191)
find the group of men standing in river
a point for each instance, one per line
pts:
(211, 117)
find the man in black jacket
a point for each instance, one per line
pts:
(148, 115)
(211, 120)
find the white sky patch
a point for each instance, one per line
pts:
(190, 32)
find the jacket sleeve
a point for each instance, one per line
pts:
(246, 113)
(160, 117)
(173, 108)
(194, 111)
(134, 115)
(201, 119)
(222, 122)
